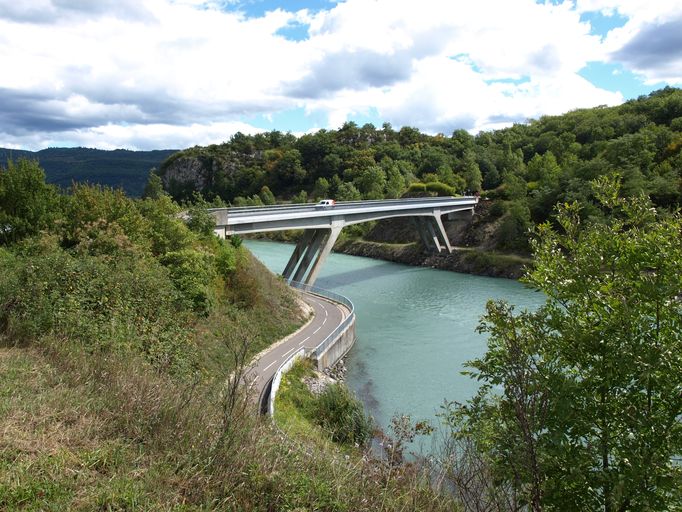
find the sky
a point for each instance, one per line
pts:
(170, 74)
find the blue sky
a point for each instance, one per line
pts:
(149, 74)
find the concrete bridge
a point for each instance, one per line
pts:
(322, 225)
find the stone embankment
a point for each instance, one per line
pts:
(331, 375)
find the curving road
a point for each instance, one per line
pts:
(327, 317)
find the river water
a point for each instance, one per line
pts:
(416, 328)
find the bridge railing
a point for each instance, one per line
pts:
(336, 298)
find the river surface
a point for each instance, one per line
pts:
(416, 328)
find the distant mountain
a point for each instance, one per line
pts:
(118, 168)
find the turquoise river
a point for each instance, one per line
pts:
(416, 328)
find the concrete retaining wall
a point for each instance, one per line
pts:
(339, 348)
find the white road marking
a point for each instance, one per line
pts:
(324, 321)
(268, 366)
(320, 327)
(288, 352)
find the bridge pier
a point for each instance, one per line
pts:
(432, 233)
(314, 244)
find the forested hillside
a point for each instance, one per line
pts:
(120, 168)
(528, 167)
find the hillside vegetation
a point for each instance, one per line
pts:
(120, 168)
(526, 168)
(123, 333)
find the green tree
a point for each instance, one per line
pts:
(472, 173)
(347, 192)
(321, 188)
(199, 220)
(395, 182)
(266, 195)
(153, 189)
(300, 198)
(581, 400)
(27, 203)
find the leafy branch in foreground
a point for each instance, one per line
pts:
(580, 402)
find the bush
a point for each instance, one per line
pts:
(440, 189)
(340, 413)
(416, 187)
(100, 303)
(191, 272)
(225, 259)
(497, 209)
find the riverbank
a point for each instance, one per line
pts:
(465, 260)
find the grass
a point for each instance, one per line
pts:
(294, 404)
(75, 439)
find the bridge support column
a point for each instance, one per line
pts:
(439, 223)
(433, 234)
(316, 240)
(328, 243)
(420, 224)
(300, 248)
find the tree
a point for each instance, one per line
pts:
(347, 192)
(472, 173)
(321, 188)
(581, 400)
(154, 186)
(266, 195)
(27, 203)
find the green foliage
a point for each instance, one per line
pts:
(300, 198)
(199, 220)
(440, 189)
(266, 195)
(27, 203)
(347, 192)
(416, 187)
(153, 189)
(226, 258)
(192, 272)
(472, 173)
(580, 403)
(125, 303)
(342, 415)
(512, 233)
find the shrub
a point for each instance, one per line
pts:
(191, 272)
(497, 209)
(340, 413)
(440, 189)
(225, 259)
(416, 187)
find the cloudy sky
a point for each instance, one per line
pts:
(151, 74)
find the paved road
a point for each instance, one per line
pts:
(327, 317)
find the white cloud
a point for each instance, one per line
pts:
(174, 73)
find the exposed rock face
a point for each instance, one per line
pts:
(186, 171)
(205, 169)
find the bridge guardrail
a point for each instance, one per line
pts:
(336, 298)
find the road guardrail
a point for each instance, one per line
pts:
(336, 297)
